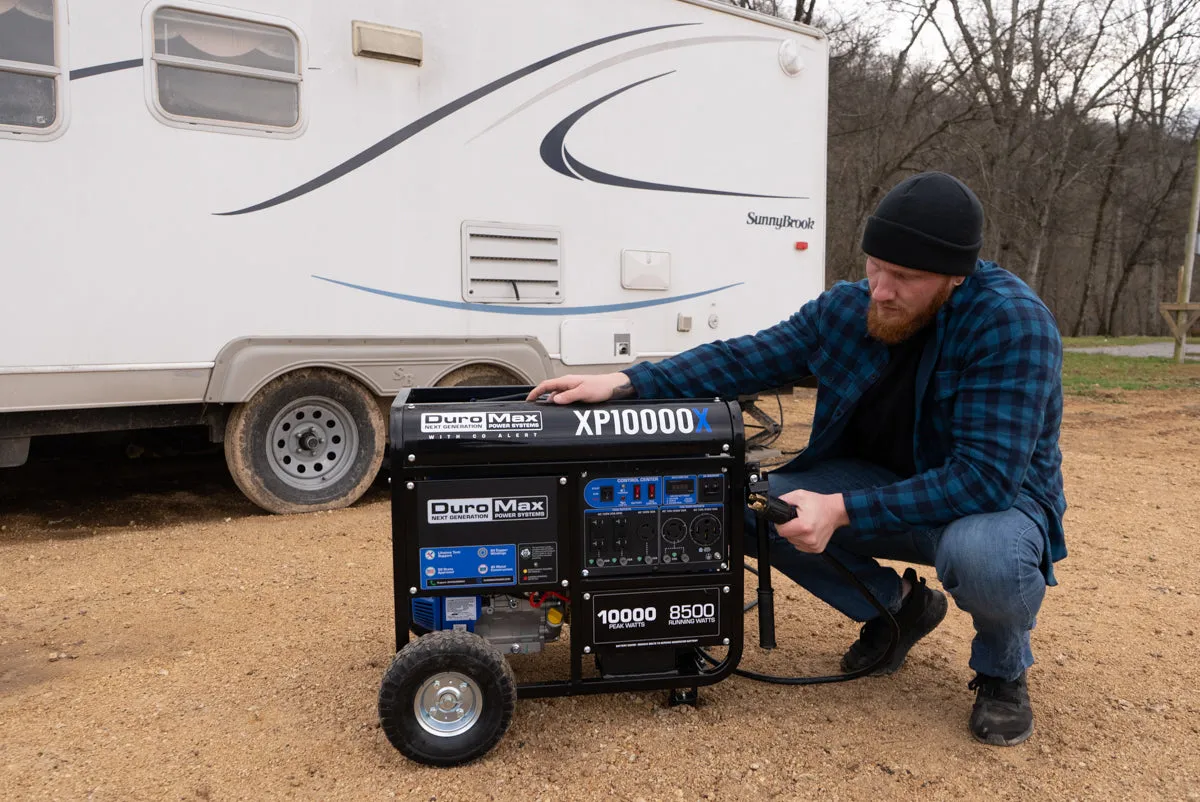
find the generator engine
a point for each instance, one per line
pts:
(514, 624)
(513, 523)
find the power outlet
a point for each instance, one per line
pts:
(711, 488)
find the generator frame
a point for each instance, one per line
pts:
(579, 587)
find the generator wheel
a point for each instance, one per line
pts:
(309, 440)
(447, 698)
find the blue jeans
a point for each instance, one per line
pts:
(989, 564)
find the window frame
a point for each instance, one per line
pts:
(152, 59)
(61, 76)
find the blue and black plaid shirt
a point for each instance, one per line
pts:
(989, 400)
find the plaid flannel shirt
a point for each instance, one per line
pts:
(989, 400)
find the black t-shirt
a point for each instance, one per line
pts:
(881, 428)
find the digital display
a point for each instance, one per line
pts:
(680, 487)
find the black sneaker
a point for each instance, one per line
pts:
(920, 614)
(1002, 715)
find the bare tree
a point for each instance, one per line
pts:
(1070, 119)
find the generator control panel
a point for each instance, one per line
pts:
(675, 523)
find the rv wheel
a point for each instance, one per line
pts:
(309, 440)
(481, 375)
(447, 698)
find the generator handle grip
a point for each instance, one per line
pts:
(766, 595)
(766, 509)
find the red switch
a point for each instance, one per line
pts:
(637, 492)
(802, 246)
(650, 491)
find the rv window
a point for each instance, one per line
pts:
(222, 70)
(29, 72)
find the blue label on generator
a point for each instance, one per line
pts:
(468, 566)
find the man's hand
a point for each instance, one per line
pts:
(817, 516)
(588, 389)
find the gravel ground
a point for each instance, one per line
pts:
(162, 639)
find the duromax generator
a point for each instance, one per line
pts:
(622, 522)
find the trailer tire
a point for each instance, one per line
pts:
(309, 440)
(479, 375)
(447, 698)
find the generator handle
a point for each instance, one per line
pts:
(766, 595)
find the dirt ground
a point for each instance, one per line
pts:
(162, 639)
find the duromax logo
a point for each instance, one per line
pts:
(459, 422)
(497, 508)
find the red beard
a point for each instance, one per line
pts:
(896, 328)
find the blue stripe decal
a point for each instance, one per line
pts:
(549, 310)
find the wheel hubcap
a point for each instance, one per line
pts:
(447, 704)
(312, 443)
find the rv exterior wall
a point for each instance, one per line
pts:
(166, 243)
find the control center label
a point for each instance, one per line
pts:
(468, 566)
(649, 618)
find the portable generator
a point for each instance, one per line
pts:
(511, 521)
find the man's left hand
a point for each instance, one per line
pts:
(817, 516)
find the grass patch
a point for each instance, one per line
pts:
(1096, 342)
(1085, 374)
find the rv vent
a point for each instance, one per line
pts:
(511, 264)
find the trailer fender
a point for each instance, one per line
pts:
(383, 365)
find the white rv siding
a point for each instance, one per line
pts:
(120, 252)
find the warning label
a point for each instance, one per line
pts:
(461, 608)
(537, 562)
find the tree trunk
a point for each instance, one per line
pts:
(1089, 279)
(1110, 178)
(1036, 277)
(1112, 272)
(1155, 322)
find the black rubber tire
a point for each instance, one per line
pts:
(246, 435)
(481, 375)
(465, 653)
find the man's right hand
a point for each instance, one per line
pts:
(591, 389)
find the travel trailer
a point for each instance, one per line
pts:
(267, 217)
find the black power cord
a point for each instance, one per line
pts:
(750, 605)
(764, 439)
(778, 512)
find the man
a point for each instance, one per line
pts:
(935, 439)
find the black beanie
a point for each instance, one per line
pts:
(931, 221)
